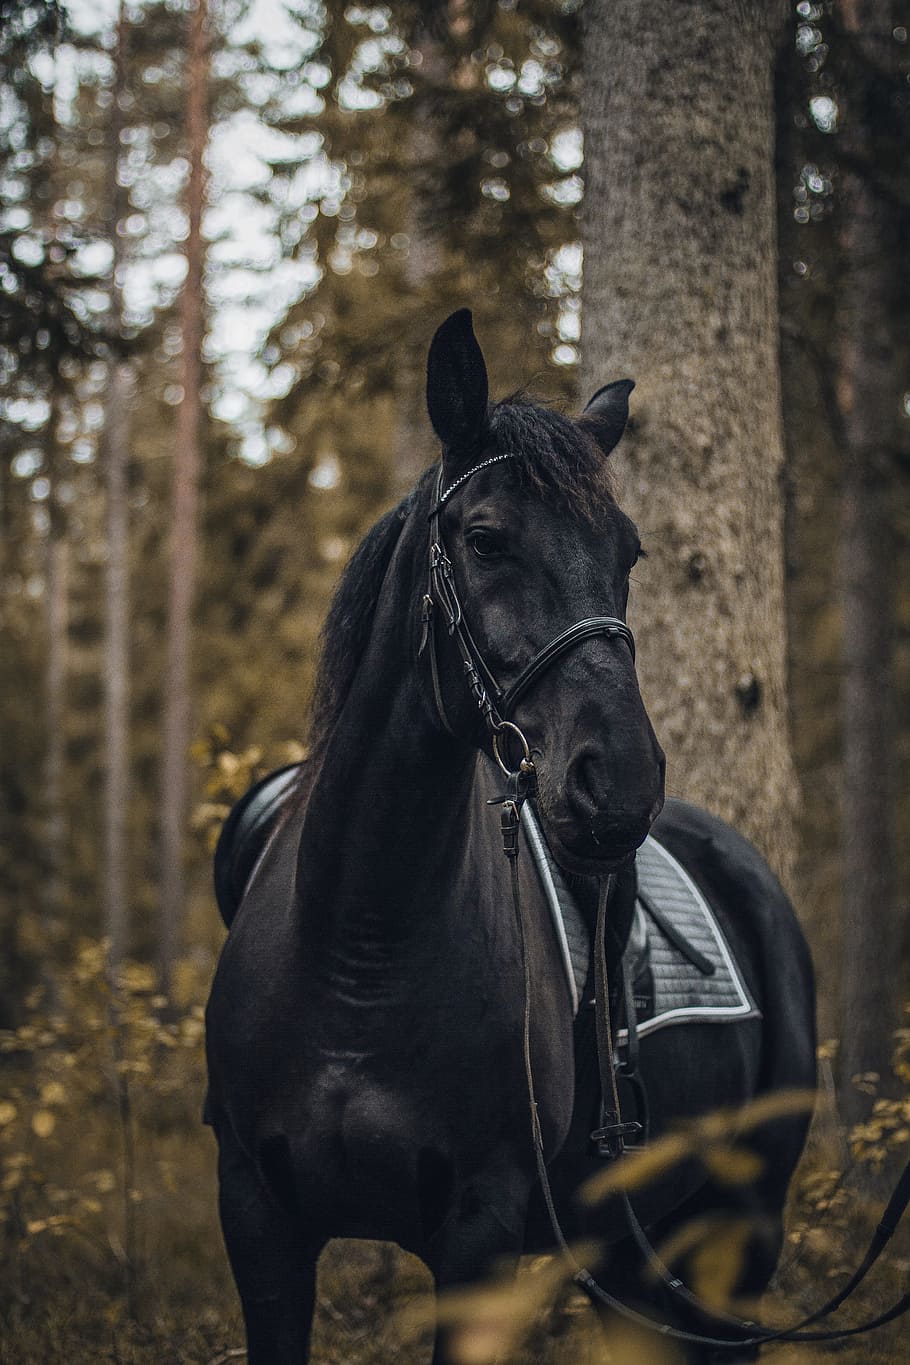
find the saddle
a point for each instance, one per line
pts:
(245, 834)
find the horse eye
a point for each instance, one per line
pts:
(484, 545)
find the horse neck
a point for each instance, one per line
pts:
(390, 816)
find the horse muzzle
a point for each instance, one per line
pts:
(605, 809)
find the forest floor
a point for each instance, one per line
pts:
(110, 1249)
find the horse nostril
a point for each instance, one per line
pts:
(584, 786)
(604, 802)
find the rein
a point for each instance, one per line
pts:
(496, 705)
(611, 1136)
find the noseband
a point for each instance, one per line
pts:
(496, 704)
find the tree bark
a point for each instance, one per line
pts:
(115, 454)
(178, 703)
(115, 463)
(56, 597)
(869, 396)
(423, 264)
(680, 294)
(421, 267)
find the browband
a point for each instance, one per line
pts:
(443, 498)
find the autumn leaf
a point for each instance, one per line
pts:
(43, 1123)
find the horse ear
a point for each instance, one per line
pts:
(457, 388)
(606, 415)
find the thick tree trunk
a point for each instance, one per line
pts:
(680, 294)
(869, 396)
(812, 434)
(115, 463)
(177, 709)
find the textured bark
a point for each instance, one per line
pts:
(813, 434)
(680, 294)
(178, 703)
(115, 463)
(869, 394)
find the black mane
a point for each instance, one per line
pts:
(346, 629)
(555, 456)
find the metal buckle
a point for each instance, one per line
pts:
(611, 1138)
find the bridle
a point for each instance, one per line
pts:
(495, 703)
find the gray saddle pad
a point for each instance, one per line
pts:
(668, 987)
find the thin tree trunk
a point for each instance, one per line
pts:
(869, 401)
(120, 394)
(6, 500)
(177, 711)
(56, 596)
(422, 266)
(115, 463)
(413, 437)
(680, 294)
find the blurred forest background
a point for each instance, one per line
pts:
(228, 229)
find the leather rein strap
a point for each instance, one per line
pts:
(744, 1332)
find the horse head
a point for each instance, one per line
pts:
(532, 541)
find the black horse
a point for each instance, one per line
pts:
(365, 1028)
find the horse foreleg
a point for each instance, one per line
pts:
(274, 1263)
(483, 1236)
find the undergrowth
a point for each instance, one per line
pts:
(110, 1248)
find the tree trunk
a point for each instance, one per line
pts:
(869, 394)
(177, 709)
(413, 438)
(115, 454)
(813, 438)
(680, 294)
(423, 264)
(56, 597)
(115, 463)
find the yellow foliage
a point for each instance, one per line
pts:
(490, 1321)
(43, 1123)
(718, 1261)
(706, 1139)
(730, 1165)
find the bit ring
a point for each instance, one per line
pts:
(526, 764)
